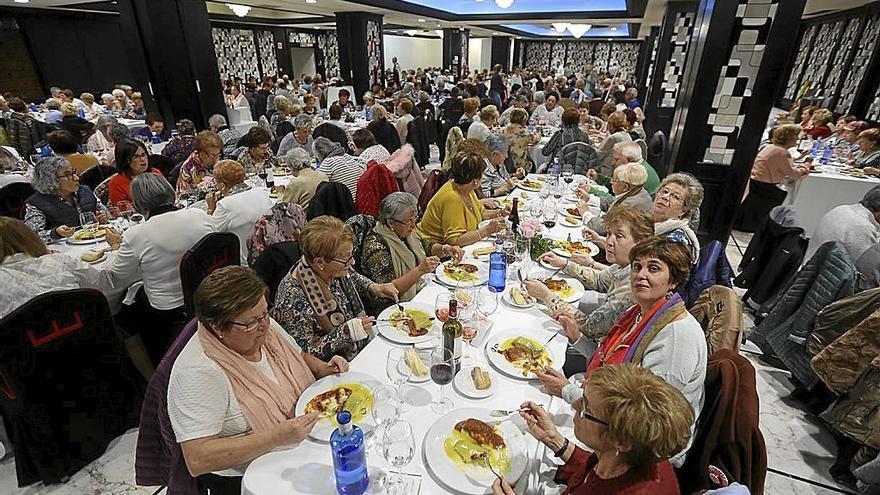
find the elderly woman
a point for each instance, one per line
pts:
(628, 188)
(454, 213)
(570, 132)
(772, 166)
(151, 251)
(100, 143)
(497, 181)
(818, 127)
(404, 117)
(488, 119)
(319, 302)
(54, 210)
(255, 155)
(111, 106)
(235, 384)
(284, 112)
(28, 269)
(229, 137)
(180, 147)
(548, 113)
(236, 207)
(626, 226)
(616, 417)
(208, 148)
(301, 188)
(339, 166)
(344, 101)
(301, 137)
(311, 105)
(383, 131)
(869, 144)
(520, 139)
(393, 253)
(131, 161)
(617, 127)
(89, 106)
(74, 124)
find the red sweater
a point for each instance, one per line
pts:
(119, 187)
(820, 131)
(578, 475)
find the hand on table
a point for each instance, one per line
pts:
(428, 265)
(872, 170)
(64, 231)
(501, 487)
(553, 259)
(537, 289)
(569, 325)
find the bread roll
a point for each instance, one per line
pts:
(481, 378)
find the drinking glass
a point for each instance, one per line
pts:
(442, 373)
(549, 215)
(399, 447)
(441, 306)
(385, 412)
(567, 173)
(536, 208)
(399, 373)
(88, 221)
(469, 328)
(487, 300)
(545, 191)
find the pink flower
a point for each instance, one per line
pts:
(529, 227)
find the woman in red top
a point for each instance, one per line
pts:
(632, 419)
(131, 160)
(819, 128)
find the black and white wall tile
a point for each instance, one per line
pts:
(838, 70)
(855, 73)
(329, 46)
(374, 51)
(794, 78)
(673, 68)
(542, 55)
(579, 55)
(602, 56)
(822, 56)
(465, 48)
(652, 64)
(268, 58)
(236, 52)
(557, 55)
(537, 55)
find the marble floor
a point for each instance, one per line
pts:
(800, 450)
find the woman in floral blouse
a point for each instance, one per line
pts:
(520, 140)
(319, 301)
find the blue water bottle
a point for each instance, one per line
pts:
(349, 457)
(82, 113)
(826, 154)
(156, 139)
(367, 114)
(554, 171)
(498, 267)
(815, 151)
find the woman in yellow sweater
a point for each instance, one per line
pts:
(453, 214)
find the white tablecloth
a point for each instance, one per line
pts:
(818, 193)
(308, 469)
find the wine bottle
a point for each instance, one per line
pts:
(452, 333)
(514, 215)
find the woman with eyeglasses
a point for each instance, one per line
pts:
(320, 301)
(234, 386)
(132, 159)
(656, 333)
(632, 420)
(392, 252)
(255, 153)
(53, 211)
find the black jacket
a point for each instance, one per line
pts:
(770, 261)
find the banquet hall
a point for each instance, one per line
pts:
(440, 246)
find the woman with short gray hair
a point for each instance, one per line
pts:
(301, 137)
(497, 181)
(151, 251)
(54, 211)
(301, 189)
(392, 252)
(678, 199)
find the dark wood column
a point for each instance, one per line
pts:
(455, 49)
(735, 66)
(361, 59)
(501, 52)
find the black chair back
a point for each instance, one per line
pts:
(213, 251)
(657, 150)
(13, 197)
(332, 132)
(67, 386)
(95, 175)
(162, 163)
(275, 262)
(334, 199)
(361, 225)
(174, 174)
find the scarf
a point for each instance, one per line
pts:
(263, 402)
(682, 224)
(406, 254)
(631, 336)
(322, 301)
(633, 191)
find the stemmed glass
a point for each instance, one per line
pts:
(399, 449)
(385, 412)
(568, 173)
(549, 215)
(88, 221)
(441, 306)
(399, 373)
(537, 207)
(442, 372)
(545, 191)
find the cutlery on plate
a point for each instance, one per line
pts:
(501, 413)
(483, 459)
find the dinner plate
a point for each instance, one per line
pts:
(578, 222)
(482, 275)
(479, 481)
(395, 335)
(464, 383)
(594, 250)
(577, 291)
(571, 198)
(99, 260)
(503, 365)
(563, 210)
(77, 242)
(525, 186)
(324, 427)
(508, 298)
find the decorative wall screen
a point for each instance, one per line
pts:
(652, 63)
(579, 55)
(557, 55)
(374, 51)
(300, 38)
(268, 59)
(674, 67)
(329, 46)
(873, 112)
(236, 53)
(602, 56)
(838, 68)
(537, 55)
(822, 55)
(574, 55)
(737, 78)
(856, 71)
(465, 49)
(794, 79)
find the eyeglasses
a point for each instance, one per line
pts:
(139, 155)
(671, 195)
(587, 415)
(411, 223)
(345, 261)
(70, 174)
(253, 324)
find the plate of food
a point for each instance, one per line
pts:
(476, 382)
(567, 248)
(570, 211)
(570, 290)
(530, 185)
(508, 203)
(462, 274)
(517, 354)
(93, 257)
(460, 446)
(570, 221)
(349, 391)
(417, 360)
(83, 236)
(416, 323)
(280, 172)
(483, 250)
(518, 298)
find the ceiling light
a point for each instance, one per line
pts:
(504, 4)
(421, 20)
(439, 32)
(239, 10)
(311, 1)
(411, 32)
(613, 28)
(21, 1)
(578, 30)
(560, 26)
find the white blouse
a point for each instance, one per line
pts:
(23, 277)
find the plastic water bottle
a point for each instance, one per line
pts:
(156, 139)
(554, 171)
(367, 114)
(826, 154)
(82, 113)
(33, 107)
(815, 151)
(349, 458)
(498, 267)
(270, 178)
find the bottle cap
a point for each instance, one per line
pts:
(343, 417)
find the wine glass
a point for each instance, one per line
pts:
(399, 373)
(385, 412)
(442, 372)
(545, 191)
(536, 208)
(88, 221)
(567, 173)
(441, 306)
(469, 330)
(549, 215)
(399, 447)
(487, 300)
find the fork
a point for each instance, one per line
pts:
(484, 458)
(500, 413)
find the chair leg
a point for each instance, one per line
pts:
(138, 354)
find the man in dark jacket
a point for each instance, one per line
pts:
(260, 99)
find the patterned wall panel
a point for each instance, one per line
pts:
(300, 38)
(859, 66)
(579, 55)
(873, 112)
(602, 56)
(465, 48)
(236, 52)
(329, 46)
(793, 84)
(266, 46)
(674, 66)
(839, 70)
(737, 78)
(822, 55)
(537, 55)
(626, 55)
(374, 51)
(652, 63)
(557, 55)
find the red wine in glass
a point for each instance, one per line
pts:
(441, 373)
(549, 223)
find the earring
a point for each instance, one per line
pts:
(669, 294)
(617, 452)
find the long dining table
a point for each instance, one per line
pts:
(307, 468)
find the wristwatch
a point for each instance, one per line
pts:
(562, 449)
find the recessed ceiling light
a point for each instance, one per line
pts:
(613, 28)
(311, 1)
(21, 1)
(421, 20)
